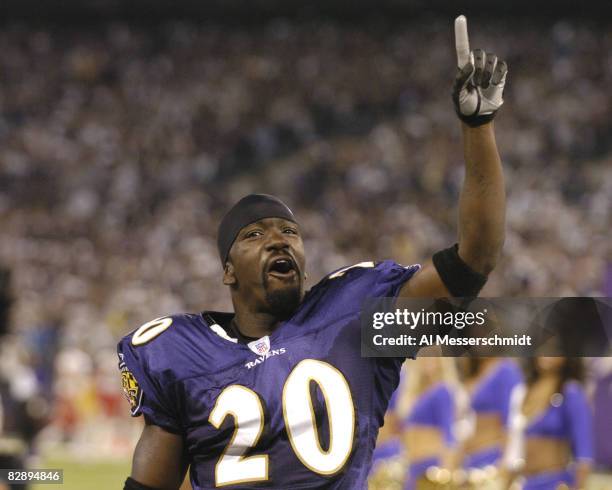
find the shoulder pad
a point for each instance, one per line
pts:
(165, 345)
(361, 265)
(153, 329)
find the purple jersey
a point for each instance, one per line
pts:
(297, 409)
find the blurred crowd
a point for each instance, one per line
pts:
(122, 145)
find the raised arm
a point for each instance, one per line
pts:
(482, 205)
(159, 462)
(477, 94)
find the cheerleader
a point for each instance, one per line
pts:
(426, 409)
(387, 472)
(489, 383)
(556, 423)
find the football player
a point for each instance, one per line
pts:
(276, 393)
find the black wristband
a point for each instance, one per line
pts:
(457, 276)
(131, 484)
(474, 121)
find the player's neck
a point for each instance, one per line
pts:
(255, 324)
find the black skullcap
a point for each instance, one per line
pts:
(249, 209)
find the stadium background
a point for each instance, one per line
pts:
(127, 128)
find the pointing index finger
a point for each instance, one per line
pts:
(462, 44)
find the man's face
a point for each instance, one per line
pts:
(266, 267)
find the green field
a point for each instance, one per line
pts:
(88, 475)
(112, 475)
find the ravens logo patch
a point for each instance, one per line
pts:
(131, 390)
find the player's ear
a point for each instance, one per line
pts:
(229, 278)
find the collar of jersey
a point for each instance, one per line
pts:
(273, 336)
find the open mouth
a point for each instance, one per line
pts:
(282, 267)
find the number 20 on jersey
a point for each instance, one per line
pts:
(247, 410)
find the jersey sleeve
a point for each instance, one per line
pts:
(393, 401)
(372, 279)
(390, 277)
(144, 389)
(579, 421)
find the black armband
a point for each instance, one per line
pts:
(457, 276)
(131, 484)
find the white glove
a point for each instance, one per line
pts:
(480, 80)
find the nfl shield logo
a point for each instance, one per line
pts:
(260, 346)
